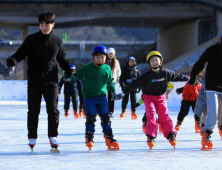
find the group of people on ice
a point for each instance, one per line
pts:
(44, 50)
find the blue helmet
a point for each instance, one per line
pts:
(131, 57)
(99, 49)
(72, 67)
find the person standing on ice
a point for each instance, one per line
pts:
(71, 90)
(6, 72)
(44, 50)
(97, 78)
(154, 86)
(116, 72)
(213, 85)
(190, 94)
(129, 73)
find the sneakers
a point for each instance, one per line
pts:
(133, 114)
(76, 115)
(220, 131)
(123, 114)
(206, 142)
(53, 141)
(172, 139)
(112, 144)
(144, 126)
(150, 141)
(197, 127)
(32, 142)
(178, 125)
(89, 140)
(66, 113)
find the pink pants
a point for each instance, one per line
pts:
(157, 104)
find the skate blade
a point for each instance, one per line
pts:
(113, 148)
(207, 148)
(150, 147)
(53, 150)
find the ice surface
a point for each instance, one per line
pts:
(133, 154)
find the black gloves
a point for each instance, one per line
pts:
(192, 81)
(136, 105)
(11, 62)
(179, 90)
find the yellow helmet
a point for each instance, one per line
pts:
(201, 73)
(170, 86)
(154, 53)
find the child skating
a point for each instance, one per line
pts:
(71, 90)
(154, 86)
(97, 78)
(144, 119)
(129, 73)
(189, 94)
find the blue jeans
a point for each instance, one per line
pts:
(212, 109)
(94, 105)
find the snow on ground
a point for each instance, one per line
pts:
(133, 154)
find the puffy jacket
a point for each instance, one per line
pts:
(190, 93)
(116, 72)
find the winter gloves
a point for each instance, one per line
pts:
(117, 96)
(179, 90)
(11, 62)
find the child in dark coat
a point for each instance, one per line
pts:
(129, 73)
(71, 90)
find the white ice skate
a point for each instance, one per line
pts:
(54, 144)
(32, 143)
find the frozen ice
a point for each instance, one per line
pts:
(133, 154)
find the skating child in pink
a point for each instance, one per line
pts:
(154, 87)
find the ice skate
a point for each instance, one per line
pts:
(76, 115)
(66, 113)
(178, 125)
(123, 114)
(112, 144)
(172, 139)
(54, 144)
(206, 142)
(80, 113)
(32, 142)
(201, 129)
(144, 127)
(197, 126)
(133, 114)
(89, 140)
(220, 131)
(83, 113)
(160, 129)
(150, 141)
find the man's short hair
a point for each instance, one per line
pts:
(46, 17)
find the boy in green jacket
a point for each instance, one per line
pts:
(97, 77)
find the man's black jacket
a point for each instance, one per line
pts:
(43, 51)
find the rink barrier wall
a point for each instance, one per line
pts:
(17, 90)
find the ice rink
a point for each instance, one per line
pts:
(133, 154)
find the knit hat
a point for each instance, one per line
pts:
(111, 50)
